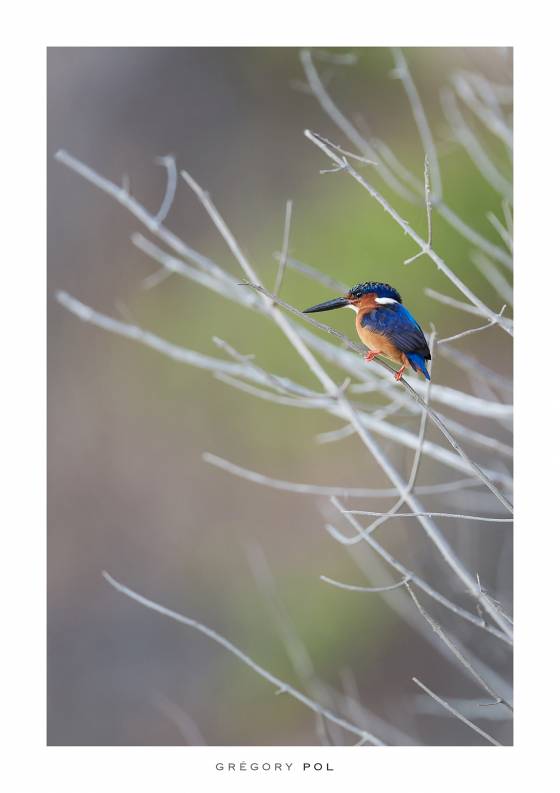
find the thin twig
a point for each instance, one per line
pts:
(492, 121)
(471, 330)
(470, 364)
(285, 244)
(456, 713)
(307, 403)
(327, 490)
(451, 301)
(123, 197)
(429, 514)
(404, 571)
(280, 685)
(422, 244)
(399, 602)
(387, 173)
(476, 151)
(347, 430)
(428, 209)
(296, 650)
(402, 72)
(186, 726)
(314, 274)
(168, 163)
(468, 707)
(355, 588)
(347, 128)
(493, 275)
(457, 652)
(501, 229)
(384, 383)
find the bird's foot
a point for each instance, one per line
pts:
(399, 374)
(369, 356)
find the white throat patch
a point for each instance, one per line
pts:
(354, 308)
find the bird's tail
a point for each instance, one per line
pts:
(418, 363)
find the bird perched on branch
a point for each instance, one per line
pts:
(384, 325)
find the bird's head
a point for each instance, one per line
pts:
(370, 294)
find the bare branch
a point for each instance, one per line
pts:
(468, 707)
(457, 652)
(285, 244)
(308, 403)
(428, 209)
(476, 151)
(326, 490)
(234, 650)
(422, 244)
(429, 514)
(402, 72)
(346, 430)
(491, 119)
(372, 566)
(372, 152)
(471, 331)
(168, 163)
(450, 301)
(315, 275)
(185, 724)
(404, 571)
(493, 275)
(295, 648)
(354, 588)
(475, 369)
(347, 128)
(472, 145)
(456, 713)
(501, 229)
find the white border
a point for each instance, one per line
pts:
(31, 766)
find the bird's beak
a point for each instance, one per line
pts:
(338, 302)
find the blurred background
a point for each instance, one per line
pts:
(129, 491)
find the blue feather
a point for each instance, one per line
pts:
(417, 362)
(397, 323)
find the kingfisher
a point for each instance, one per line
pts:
(384, 325)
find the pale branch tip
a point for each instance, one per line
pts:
(456, 713)
(459, 655)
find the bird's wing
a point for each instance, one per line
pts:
(397, 323)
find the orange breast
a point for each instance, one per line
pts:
(377, 342)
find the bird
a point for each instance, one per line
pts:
(384, 325)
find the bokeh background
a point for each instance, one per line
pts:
(128, 489)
